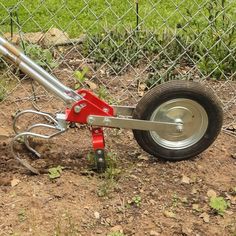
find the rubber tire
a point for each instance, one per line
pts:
(101, 166)
(172, 90)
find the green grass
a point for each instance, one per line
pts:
(7, 83)
(203, 30)
(92, 16)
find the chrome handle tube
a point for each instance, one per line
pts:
(36, 76)
(36, 72)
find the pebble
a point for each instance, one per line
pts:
(146, 212)
(117, 228)
(233, 155)
(211, 193)
(131, 218)
(169, 214)
(185, 179)
(97, 215)
(154, 233)
(186, 230)
(99, 231)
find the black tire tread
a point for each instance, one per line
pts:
(162, 93)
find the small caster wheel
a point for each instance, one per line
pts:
(100, 160)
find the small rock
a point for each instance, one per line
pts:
(154, 233)
(205, 216)
(152, 202)
(130, 219)
(211, 193)
(4, 134)
(129, 231)
(97, 215)
(233, 155)
(146, 212)
(194, 191)
(154, 193)
(91, 85)
(195, 207)
(54, 36)
(200, 167)
(133, 176)
(15, 182)
(143, 157)
(108, 221)
(185, 179)
(169, 214)
(117, 228)
(229, 212)
(99, 231)
(186, 230)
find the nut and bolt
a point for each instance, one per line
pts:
(77, 109)
(99, 152)
(105, 110)
(179, 128)
(90, 120)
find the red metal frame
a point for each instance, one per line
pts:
(98, 138)
(89, 105)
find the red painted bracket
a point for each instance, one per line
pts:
(87, 95)
(98, 138)
(89, 105)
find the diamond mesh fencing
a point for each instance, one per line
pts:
(119, 49)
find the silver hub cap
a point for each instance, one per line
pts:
(191, 123)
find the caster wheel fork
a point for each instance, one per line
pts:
(99, 145)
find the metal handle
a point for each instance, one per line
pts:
(37, 73)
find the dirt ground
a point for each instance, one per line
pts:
(138, 195)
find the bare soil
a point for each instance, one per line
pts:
(139, 195)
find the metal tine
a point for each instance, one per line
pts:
(46, 115)
(16, 155)
(26, 134)
(60, 131)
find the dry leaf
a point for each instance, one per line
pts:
(15, 182)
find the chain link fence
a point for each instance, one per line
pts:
(120, 49)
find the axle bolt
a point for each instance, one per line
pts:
(99, 152)
(90, 120)
(77, 109)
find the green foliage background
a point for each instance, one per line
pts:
(202, 32)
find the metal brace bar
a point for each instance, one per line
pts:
(126, 123)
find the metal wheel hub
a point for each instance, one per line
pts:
(191, 123)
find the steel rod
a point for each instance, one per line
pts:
(36, 76)
(36, 72)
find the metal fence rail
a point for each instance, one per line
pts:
(121, 49)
